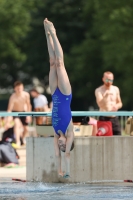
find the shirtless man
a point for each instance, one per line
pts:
(108, 99)
(61, 96)
(19, 102)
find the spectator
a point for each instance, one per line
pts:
(8, 154)
(40, 105)
(19, 102)
(108, 99)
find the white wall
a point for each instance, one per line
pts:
(93, 158)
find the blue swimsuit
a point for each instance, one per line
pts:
(61, 112)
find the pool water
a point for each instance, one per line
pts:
(40, 191)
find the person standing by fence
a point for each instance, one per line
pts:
(108, 99)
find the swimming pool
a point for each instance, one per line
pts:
(41, 191)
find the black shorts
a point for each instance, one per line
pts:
(115, 124)
(22, 119)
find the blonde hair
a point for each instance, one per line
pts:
(107, 72)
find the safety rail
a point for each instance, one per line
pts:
(123, 115)
(74, 113)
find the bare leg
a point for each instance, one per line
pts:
(17, 130)
(25, 131)
(52, 74)
(63, 80)
(65, 88)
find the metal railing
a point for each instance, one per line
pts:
(123, 115)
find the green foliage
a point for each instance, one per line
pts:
(108, 46)
(66, 17)
(116, 28)
(95, 35)
(14, 25)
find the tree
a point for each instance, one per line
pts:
(107, 46)
(115, 24)
(66, 16)
(14, 25)
(95, 35)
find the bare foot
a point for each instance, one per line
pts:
(50, 26)
(46, 29)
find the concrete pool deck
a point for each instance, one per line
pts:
(6, 175)
(9, 173)
(18, 172)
